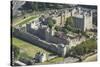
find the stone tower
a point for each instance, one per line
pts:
(62, 49)
(88, 21)
(62, 18)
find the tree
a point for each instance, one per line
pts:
(85, 47)
(57, 28)
(65, 31)
(51, 22)
(69, 21)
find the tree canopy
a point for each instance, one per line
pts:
(51, 22)
(85, 47)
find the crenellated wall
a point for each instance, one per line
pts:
(38, 42)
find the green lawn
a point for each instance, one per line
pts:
(23, 21)
(27, 20)
(19, 18)
(29, 49)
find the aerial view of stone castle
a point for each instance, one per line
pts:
(52, 33)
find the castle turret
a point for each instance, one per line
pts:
(63, 49)
(47, 34)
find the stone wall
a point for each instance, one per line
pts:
(45, 35)
(37, 41)
(57, 40)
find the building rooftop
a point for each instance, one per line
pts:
(80, 12)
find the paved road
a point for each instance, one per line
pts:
(91, 58)
(70, 60)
